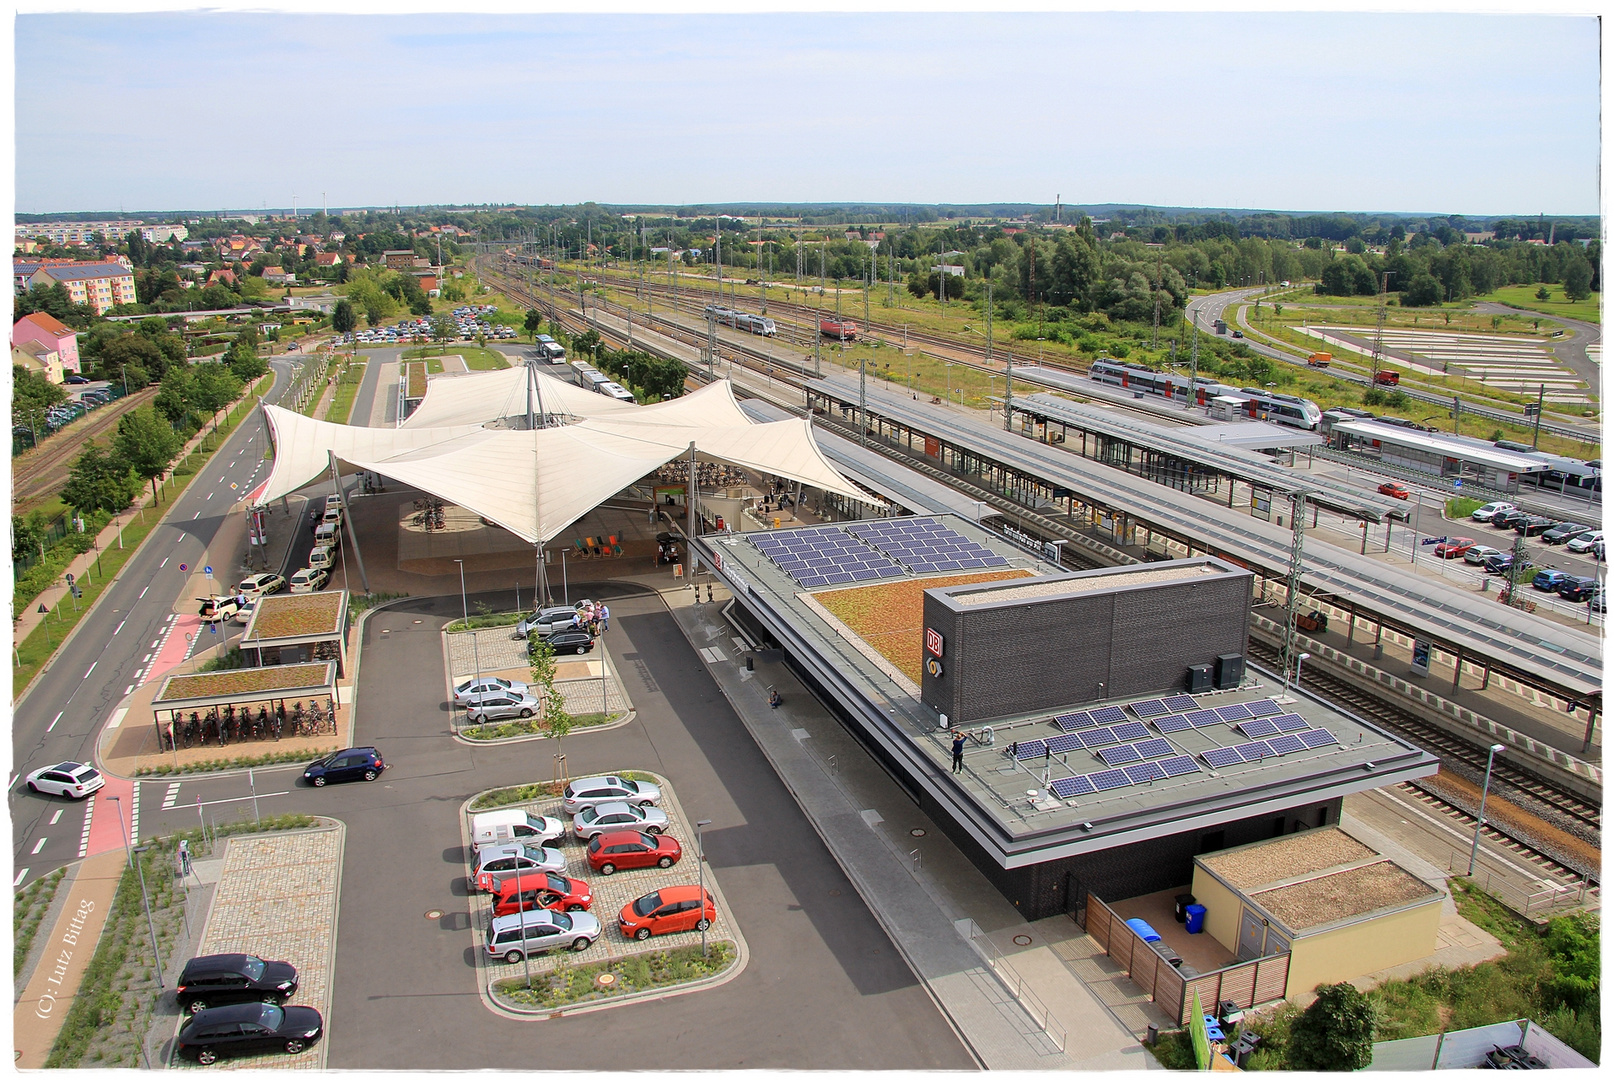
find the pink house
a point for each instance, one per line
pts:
(47, 330)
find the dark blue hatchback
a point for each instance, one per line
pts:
(354, 763)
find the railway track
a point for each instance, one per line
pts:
(40, 473)
(1554, 867)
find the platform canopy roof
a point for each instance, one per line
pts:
(483, 397)
(536, 483)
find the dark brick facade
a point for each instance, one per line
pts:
(1119, 641)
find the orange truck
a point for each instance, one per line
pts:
(1319, 359)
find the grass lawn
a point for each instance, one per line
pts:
(346, 387)
(1524, 296)
(476, 358)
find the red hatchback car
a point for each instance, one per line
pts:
(610, 852)
(677, 907)
(1454, 547)
(543, 890)
(1394, 490)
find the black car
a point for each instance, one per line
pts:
(1533, 525)
(1508, 518)
(1501, 564)
(354, 763)
(248, 1029)
(1562, 534)
(232, 978)
(1577, 590)
(571, 641)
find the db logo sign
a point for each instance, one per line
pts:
(933, 642)
(934, 666)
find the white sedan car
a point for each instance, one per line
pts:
(309, 579)
(465, 691)
(591, 821)
(69, 778)
(1476, 555)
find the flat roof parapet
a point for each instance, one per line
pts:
(1108, 577)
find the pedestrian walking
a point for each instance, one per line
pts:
(605, 618)
(958, 751)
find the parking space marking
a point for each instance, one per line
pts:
(84, 837)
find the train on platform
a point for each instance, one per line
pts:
(1254, 402)
(743, 320)
(590, 378)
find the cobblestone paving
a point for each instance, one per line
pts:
(277, 899)
(612, 892)
(497, 652)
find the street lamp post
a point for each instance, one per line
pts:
(1299, 660)
(1490, 759)
(700, 870)
(476, 653)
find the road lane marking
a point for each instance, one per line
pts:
(117, 718)
(209, 495)
(134, 815)
(38, 846)
(194, 517)
(84, 837)
(53, 722)
(162, 564)
(57, 816)
(92, 668)
(147, 658)
(127, 690)
(171, 795)
(119, 627)
(20, 875)
(143, 593)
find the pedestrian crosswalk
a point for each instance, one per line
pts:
(84, 837)
(171, 795)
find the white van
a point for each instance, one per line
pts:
(514, 826)
(322, 557)
(328, 534)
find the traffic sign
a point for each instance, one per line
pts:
(1457, 483)
(212, 628)
(183, 568)
(69, 578)
(208, 570)
(43, 610)
(1433, 540)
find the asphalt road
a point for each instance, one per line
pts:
(63, 713)
(824, 988)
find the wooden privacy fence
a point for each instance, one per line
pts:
(1249, 984)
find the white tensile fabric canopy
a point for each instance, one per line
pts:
(491, 395)
(536, 483)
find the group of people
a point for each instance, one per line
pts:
(595, 618)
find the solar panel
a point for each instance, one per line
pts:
(1124, 754)
(1181, 703)
(1285, 744)
(1258, 729)
(1109, 714)
(1317, 737)
(1255, 751)
(1264, 707)
(1149, 709)
(826, 555)
(1168, 725)
(923, 541)
(1071, 786)
(1107, 781)
(1097, 737)
(1222, 757)
(1074, 721)
(1234, 712)
(1178, 766)
(1153, 748)
(1060, 743)
(1290, 722)
(1129, 731)
(1142, 774)
(1203, 718)
(1031, 749)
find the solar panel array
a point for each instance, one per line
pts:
(1170, 725)
(1142, 773)
(1284, 722)
(1074, 721)
(925, 545)
(1124, 754)
(1258, 749)
(1109, 714)
(826, 555)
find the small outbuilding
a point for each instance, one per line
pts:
(295, 628)
(1337, 906)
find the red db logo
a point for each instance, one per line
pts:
(933, 642)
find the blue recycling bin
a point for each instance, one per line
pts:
(1143, 930)
(1196, 918)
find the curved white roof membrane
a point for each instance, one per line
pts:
(536, 483)
(482, 396)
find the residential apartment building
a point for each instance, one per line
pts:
(100, 284)
(49, 334)
(80, 232)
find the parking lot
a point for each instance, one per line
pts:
(470, 322)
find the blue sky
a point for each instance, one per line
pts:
(1474, 114)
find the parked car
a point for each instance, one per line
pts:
(1534, 525)
(260, 585)
(70, 778)
(1503, 563)
(1453, 547)
(501, 706)
(1562, 534)
(231, 978)
(217, 608)
(610, 852)
(309, 579)
(552, 891)
(546, 621)
(497, 863)
(248, 1029)
(1599, 599)
(1549, 580)
(243, 615)
(488, 684)
(1394, 490)
(75, 380)
(1504, 519)
(590, 821)
(515, 937)
(1477, 554)
(1577, 590)
(1490, 510)
(668, 910)
(354, 763)
(595, 790)
(571, 641)
(1584, 543)
(514, 826)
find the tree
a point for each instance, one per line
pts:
(533, 321)
(445, 328)
(32, 396)
(1335, 1033)
(553, 710)
(1577, 279)
(343, 319)
(1422, 291)
(245, 362)
(176, 400)
(99, 481)
(147, 442)
(216, 387)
